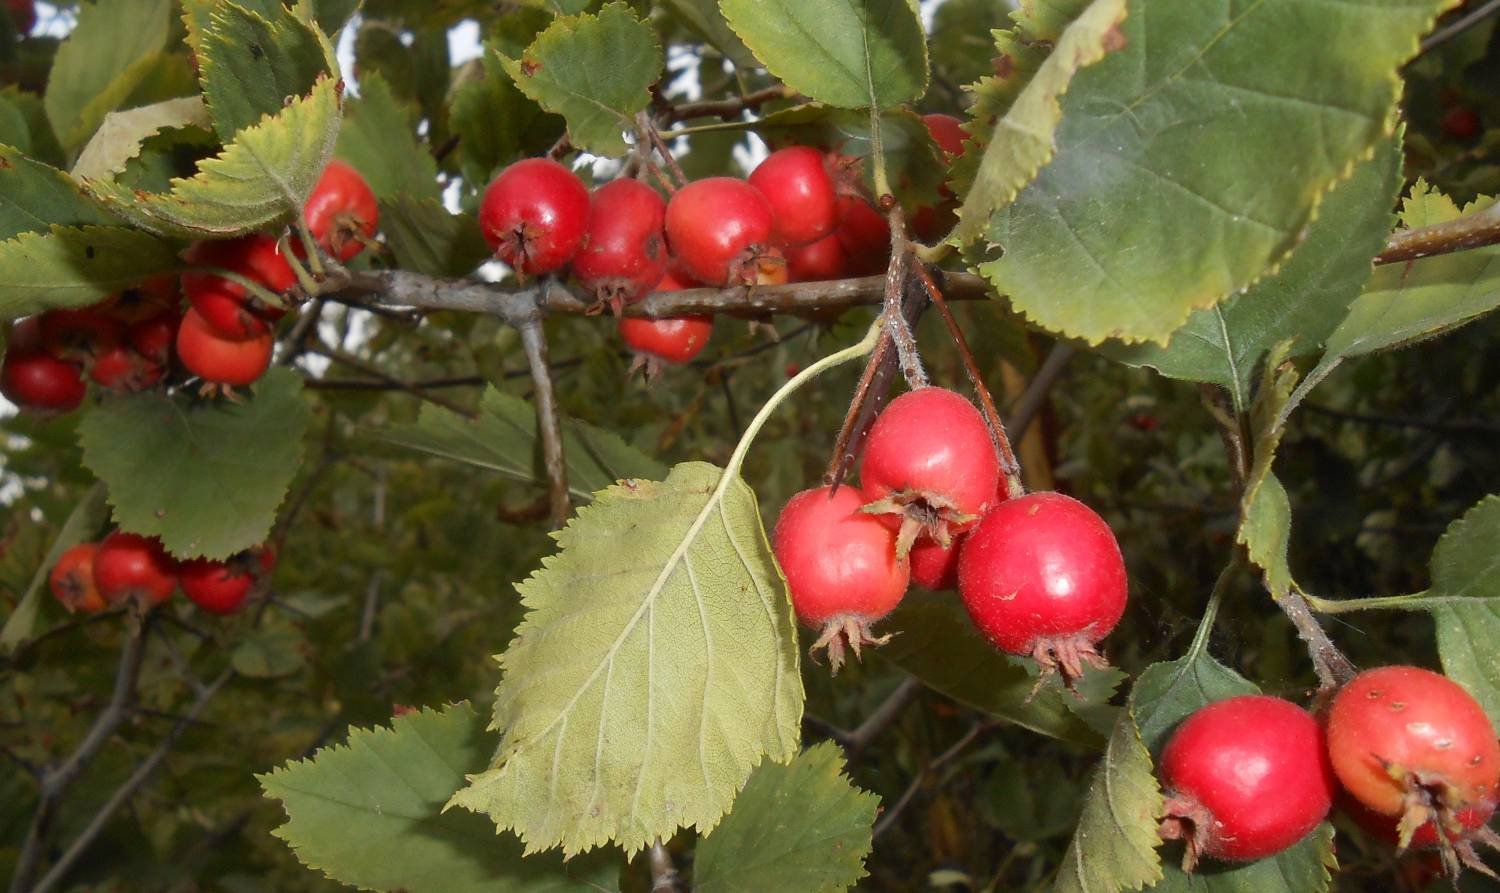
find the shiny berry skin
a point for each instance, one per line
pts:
(144, 301)
(929, 465)
(124, 371)
(152, 338)
(866, 236)
(1413, 745)
(719, 231)
(341, 211)
(796, 183)
(534, 214)
(227, 305)
(130, 566)
(72, 580)
(624, 252)
(948, 132)
(220, 587)
(675, 339)
(22, 15)
(1245, 778)
(822, 260)
(80, 334)
(219, 360)
(934, 567)
(40, 382)
(840, 566)
(1042, 575)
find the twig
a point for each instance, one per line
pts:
(1031, 401)
(889, 817)
(664, 877)
(1471, 231)
(1459, 26)
(1445, 427)
(1329, 663)
(727, 108)
(354, 362)
(548, 420)
(896, 276)
(884, 716)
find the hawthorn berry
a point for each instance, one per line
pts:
(341, 212)
(841, 568)
(227, 305)
(1461, 123)
(1042, 575)
(1245, 778)
(122, 370)
(40, 382)
(719, 231)
(671, 340)
(799, 189)
(865, 235)
(929, 466)
(220, 587)
(822, 260)
(948, 132)
(218, 359)
(129, 566)
(72, 580)
(79, 334)
(934, 566)
(534, 214)
(141, 302)
(152, 338)
(624, 252)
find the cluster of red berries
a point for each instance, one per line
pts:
(1408, 754)
(798, 217)
(1040, 574)
(130, 568)
(225, 337)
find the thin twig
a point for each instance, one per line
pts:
(889, 817)
(1471, 231)
(727, 108)
(1459, 26)
(883, 716)
(370, 369)
(548, 421)
(1027, 406)
(1437, 425)
(664, 877)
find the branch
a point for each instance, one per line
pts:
(548, 421)
(1472, 231)
(727, 108)
(1031, 401)
(889, 817)
(1459, 26)
(371, 369)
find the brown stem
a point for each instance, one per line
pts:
(1029, 404)
(1471, 231)
(896, 276)
(548, 420)
(728, 108)
(374, 371)
(647, 129)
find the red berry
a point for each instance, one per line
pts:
(840, 566)
(534, 214)
(227, 305)
(152, 338)
(22, 15)
(865, 235)
(1414, 746)
(219, 360)
(1245, 778)
(675, 339)
(40, 382)
(26, 334)
(124, 371)
(341, 212)
(72, 580)
(131, 566)
(220, 587)
(624, 253)
(1461, 123)
(1042, 575)
(822, 260)
(141, 302)
(719, 231)
(798, 186)
(929, 465)
(80, 334)
(934, 566)
(948, 132)
(1386, 828)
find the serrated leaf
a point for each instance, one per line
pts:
(938, 644)
(262, 177)
(594, 70)
(103, 59)
(496, 123)
(378, 139)
(425, 238)
(369, 813)
(84, 521)
(503, 439)
(1304, 868)
(205, 477)
(1166, 693)
(120, 137)
(798, 828)
(850, 53)
(1265, 512)
(251, 60)
(1465, 602)
(35, 197)
(77, 266)
(610, 744)
(1171, 187)
(270, 653)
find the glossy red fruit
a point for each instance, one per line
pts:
(22, 15)
(1042, 575)
(674, 340)
(822, 260)
(227, 305)
(840, 566)
(534, 214)
(624, 252)
(933, 566)
(929, 466)
(220, 587)
(124, 371)
(341, 211)
(865, 235)
(1414, 746)
(219, 360)
(1461, 123)
(79, 335)
(152, 338)
(129, 566)
(72, 580)
(719, 231)
(1245, 778)
(40, 382)
(798, 186)
(144, 301)
(948, 132)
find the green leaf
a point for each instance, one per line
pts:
(35, 197)
(270, 653)
(369, 813)
(261, 178)
(496, 123)
(1303, 301)
(378, 139)
(1305, 868)
(104, 58)
(1465, 602)
(1265, 512)
(251, 61)
(854, 54)
(425, 238)
(40, 143)
(77, 266)
(120, 137)
(594, 70)
(83, 522)
(911, 157)
(1171, 186)
(205, 477)
(671, 670)
(1167, 693)
(938, 644)
(503, 439)
(797, 828)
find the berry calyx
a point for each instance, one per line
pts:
(624, 252)
(221, 587)
(929, 465)
(799, 188)
(341, 212)
(1245, 778)
(40, 382)
(719, 230)
(1042, 575)
(866, 236)
(131, 567)
(822, 260)
(220, 360)
(841, 568)
(72, 580)
(227, 305)
(533, 215)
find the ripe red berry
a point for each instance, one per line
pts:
(152, 338)
(130, 566)
(122, 370)
(948, 132)
(144, 301)
(933, 565)
(624, 253)
(219, 360)
(1470, 822)
(72, 580)
(534, 214)
(822, 260)
(930, 466)
(1042, 575)
(40, 382)
(1245, 778)
(798, 186)
(674, 340)
(719, 230)
(22, 15)
(840, 566)
(865, 235)
(341, 211)
(227, 305)
(220, 587)
(79, 335)
(1461, 123)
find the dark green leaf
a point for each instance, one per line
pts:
(1305, 868)
(1465, 602)
(251, 61)
(77, 266)
(104, 58)
(1166, 693)
(427, 239)
(379, 140)
(496, 123)
(35, 197)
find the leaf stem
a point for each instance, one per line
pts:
(1211, 610)
(1416, 601)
